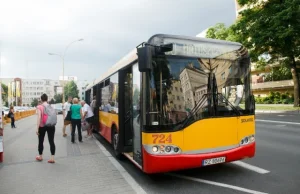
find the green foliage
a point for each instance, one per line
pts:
(272, 27)
(220, 31)
(4, 93)
(279, 73)
(34, 102)
(71, 89)
(58, 98)
(52, 101)
(275, 98)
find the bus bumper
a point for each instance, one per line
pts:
(159, 164)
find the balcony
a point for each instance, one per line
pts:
(273, 85)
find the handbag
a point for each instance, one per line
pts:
(84, 125)
(68, 117)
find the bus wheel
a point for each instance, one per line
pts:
(115, 141)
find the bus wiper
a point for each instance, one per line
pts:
(186, 121)
(221, 97)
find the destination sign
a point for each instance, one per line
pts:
(200, 49)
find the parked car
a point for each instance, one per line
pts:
(5, 110)
(58, 108)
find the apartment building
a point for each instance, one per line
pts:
(34, 88)
(23, 91)
(190, 82)
(81, 85)
(175, 97)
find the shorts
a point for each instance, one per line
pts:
(67, 122)
(90, 120)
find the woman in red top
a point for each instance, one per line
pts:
(41, 131)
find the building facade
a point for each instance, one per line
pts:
(81, 85)
(23, 91)
(190, 82)
(34, 88)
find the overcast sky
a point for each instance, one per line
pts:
(30, 29)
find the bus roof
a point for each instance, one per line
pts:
(157, 39)
(129, 58)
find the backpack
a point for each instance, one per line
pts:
(49, 117)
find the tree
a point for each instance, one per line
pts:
(52, 101)
(220, 31)
(71, 89)
(4, 94)
(272, 27)
(58, 98)
(279, 73)
(34, 102)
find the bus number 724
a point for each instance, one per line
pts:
(162, 138)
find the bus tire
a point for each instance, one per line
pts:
(115, 140)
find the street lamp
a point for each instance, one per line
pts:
(63, 63)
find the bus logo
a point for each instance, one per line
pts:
(246, 120)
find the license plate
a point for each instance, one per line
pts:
(213, 161)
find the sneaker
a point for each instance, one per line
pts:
(86, 136)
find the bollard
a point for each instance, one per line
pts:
(7, 120)
(17, 116)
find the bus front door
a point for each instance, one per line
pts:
(136, 91)
(129, 113)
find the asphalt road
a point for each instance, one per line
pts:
(274, 169)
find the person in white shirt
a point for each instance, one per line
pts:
(93, 104)
(66, 108)
(88, 115)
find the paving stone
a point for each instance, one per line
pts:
(80, 168)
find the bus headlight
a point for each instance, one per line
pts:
(154, 148)
(162, 149)
(168, 148)
(176, 149)
(248, 139)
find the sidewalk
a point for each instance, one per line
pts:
(79, 168)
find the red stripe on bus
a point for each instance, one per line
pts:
(159, 164)
(105, 132)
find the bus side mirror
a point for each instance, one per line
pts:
(145, 58)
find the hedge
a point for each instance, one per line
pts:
(275, 98)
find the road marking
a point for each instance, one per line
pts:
(130, 180)
(217, 184)
(282, 122)
(250, 167)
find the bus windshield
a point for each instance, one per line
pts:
(183, 90)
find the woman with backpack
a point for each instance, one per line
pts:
(42, 129)
(76, 116)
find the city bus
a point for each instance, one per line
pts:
(177, 102)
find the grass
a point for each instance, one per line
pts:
(270, 107)
(276, 107)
